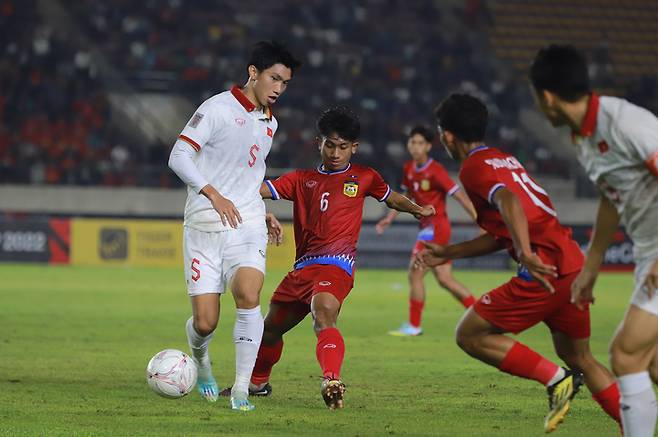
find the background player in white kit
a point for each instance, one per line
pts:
(617, 144)
(220, 155)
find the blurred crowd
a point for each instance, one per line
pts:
(392, 61)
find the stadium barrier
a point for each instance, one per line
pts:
(158, 243)
(146, 243)
(34, 239)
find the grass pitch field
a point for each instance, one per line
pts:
(74, 343)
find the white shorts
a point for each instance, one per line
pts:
(640, 297)
(212, 258)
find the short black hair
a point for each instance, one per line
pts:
(561, 69)
(423, 131)
(340, 120)
(463, 115)
(267, 53)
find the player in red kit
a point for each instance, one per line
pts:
(428, 183)
(518, 215)
(328, 209)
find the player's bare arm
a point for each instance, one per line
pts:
(607, 221)
(274, 230)
(384, 223)
(435, 254)
(402, 203)
(466, 203)
(228, 213)
(512, 213)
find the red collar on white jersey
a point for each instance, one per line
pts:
(246, 103)
(589, 122)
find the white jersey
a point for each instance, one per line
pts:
(232, 140)
(618, 147)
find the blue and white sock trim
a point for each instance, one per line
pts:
(275, 194)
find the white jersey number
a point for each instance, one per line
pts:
(324, 202)
(525, 182)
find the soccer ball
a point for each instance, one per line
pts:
(171, 373)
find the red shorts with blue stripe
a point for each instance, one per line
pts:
(438, 232)
(301, 285)
(520, 304)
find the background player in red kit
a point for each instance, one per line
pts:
(428, 183)
(518, 215)
(328, 209)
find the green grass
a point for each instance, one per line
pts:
(74, 343)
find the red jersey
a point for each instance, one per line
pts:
(328, 210)
(428, 185)
(486, 170)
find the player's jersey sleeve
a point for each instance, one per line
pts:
(444, 181)
(203, 124)
(285, 186)
(378, 188)
(480, 179)
(406, 185)
(641, 135)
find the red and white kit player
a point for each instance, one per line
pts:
(518, 215)
(616, 142)
(428, 183)
(220, 155)
(328, 209)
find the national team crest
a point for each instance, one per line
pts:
(425, 185)
(350, 188)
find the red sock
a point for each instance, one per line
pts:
(608, 399)
(268, 356)
(330, 352)
(415, 312)
(526, 363)
(468, 301)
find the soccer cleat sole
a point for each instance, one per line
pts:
(561, 396)
(402, 334)
(208, 393)
(242, 405)
(556, 417)
(333, 391)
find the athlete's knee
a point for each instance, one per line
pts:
(444, 280)
(466, 339)
(205, 325)
(579, 360)
(622, 360)
(415, 275)
(246, 298)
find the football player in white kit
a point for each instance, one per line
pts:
(220, 155)
(616, 142)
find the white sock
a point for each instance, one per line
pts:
(637, 405)
(558, 376)
(247, 335)
(199, 347)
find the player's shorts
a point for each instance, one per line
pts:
(212, 258)
(438, 232)
(520, 304)
(640, 298)
(301, 285)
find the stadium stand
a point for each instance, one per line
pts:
(58, 94)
